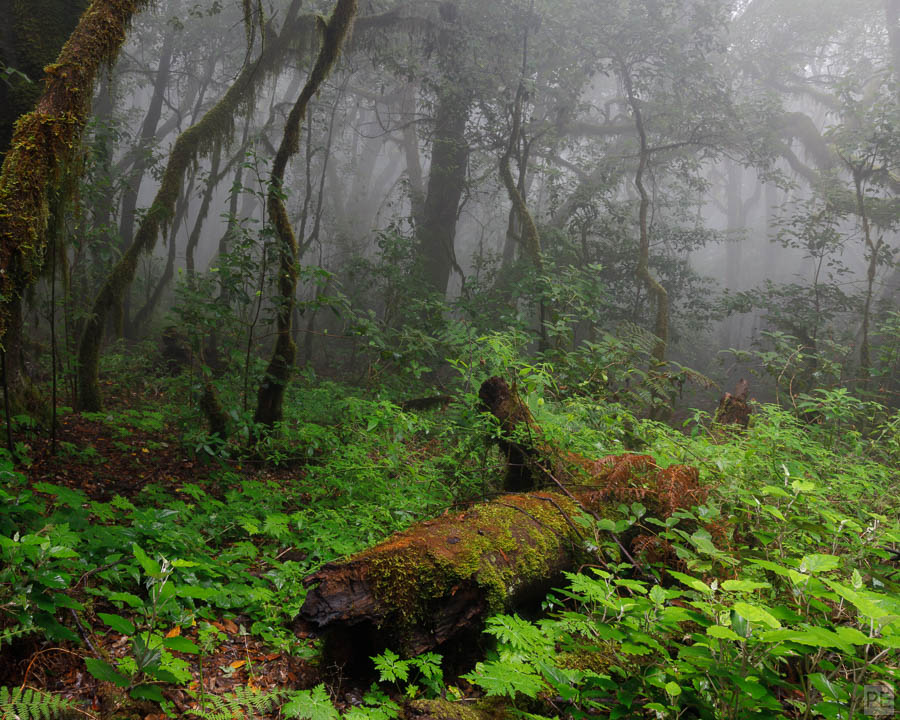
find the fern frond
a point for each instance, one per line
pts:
(242, 702)
(637, 337)
(30, 704)
(11, 633)
(696, 377)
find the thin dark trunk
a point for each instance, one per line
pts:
(194, 238)
(661, 326)
(145, 141)
(865, 361)
(271, 391)
(143, 315)
(411, 153)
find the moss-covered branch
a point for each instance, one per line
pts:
(47, 139)
(201, 138)
(271, 392)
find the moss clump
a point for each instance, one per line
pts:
(501, 548)
(446, 710)
(593, 658)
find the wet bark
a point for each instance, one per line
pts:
(436, 233)
(46, 139)
(271, 392)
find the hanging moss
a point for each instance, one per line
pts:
(214, 128)
(46, 139)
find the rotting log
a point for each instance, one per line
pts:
(441, 578)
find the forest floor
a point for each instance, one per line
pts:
(90, 460)
(148, 573)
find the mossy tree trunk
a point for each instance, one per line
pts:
(199, 139)
(32, 33)
(47, 139)
(271, 392)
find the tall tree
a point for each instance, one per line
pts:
(46, 140)
(271, 393)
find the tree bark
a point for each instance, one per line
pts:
(46, 140)
(446, 181)
(147, 136)
(661, 325)
(271, 392)
(197, 140)
(438, 580)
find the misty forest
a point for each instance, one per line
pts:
(450, 359)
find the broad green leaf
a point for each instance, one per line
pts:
(150, 566)
(774, 490)
(744, 585)
(819, 563)
(147, 692)
(691, 582)
(105, 672)
(118, 623)
(180, 644)
(673, 689)
(756, 614)
(829, 690)
(722, 632)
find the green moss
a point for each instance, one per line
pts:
(501, 547)
(446, 710)
(596, 658)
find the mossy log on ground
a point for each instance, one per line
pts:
(441, 578)
(423, 586)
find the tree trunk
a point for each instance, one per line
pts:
(46, 140)
(446, 181)
(661, 326)
(271, 392)
(198, 139)
(147, 136)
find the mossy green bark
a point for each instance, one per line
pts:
(423, 586)
(32, 34)
(47, 139)
(271, 393)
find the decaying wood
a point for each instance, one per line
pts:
(442, 577)
(733, 407)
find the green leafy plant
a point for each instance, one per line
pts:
(29, 704)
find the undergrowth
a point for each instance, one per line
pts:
(782, 604)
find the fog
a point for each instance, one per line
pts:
(700, 174)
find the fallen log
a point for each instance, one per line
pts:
(442, 577)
